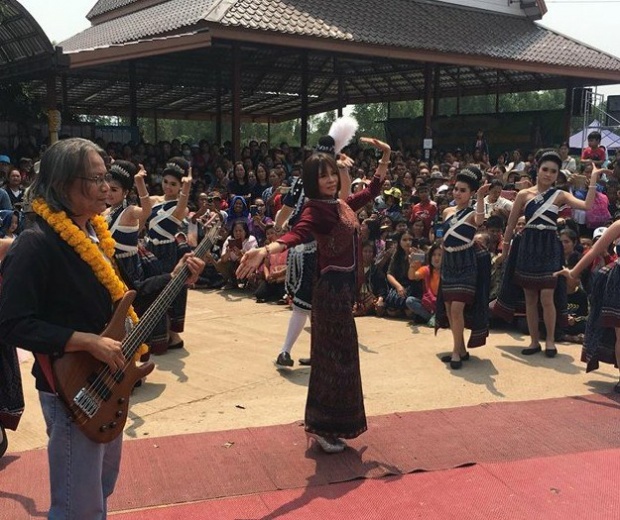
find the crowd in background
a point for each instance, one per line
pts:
(400, 228)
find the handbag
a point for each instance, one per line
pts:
(598, 215)
(429, 301)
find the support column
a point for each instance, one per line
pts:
(568, 110)
(458, 91)
(53, 115)
(428, 100)
(341, 100)
(236, 101)
(65, 96)
(497, 92)
(218, 111)
(133, 96)
(304, 98)
(437, 90)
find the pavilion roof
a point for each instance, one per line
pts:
(25, 50)
(359, 51)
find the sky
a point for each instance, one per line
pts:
(593, 22)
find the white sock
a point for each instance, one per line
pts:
(295, 326)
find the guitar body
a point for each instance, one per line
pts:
(97, 399)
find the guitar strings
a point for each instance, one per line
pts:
(105, 378)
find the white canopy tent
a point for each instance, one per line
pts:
(609, 140)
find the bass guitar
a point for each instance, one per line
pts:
(97, 397)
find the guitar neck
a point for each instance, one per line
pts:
(158, 308)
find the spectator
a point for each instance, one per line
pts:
(273, 271)
(594, 153)
(14, 189)
(425, 307)
(568, 162)
(258, 221)
(426, 209)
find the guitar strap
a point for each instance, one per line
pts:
(46, 366)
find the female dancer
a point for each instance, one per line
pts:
(465, 269)
(125, 222)
(163, 225)
(335, 404)
(602, 337)
(536, 255)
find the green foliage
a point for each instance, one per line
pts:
(18, 104)
(513, 102)
(369, 116)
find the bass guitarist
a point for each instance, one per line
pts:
(57, 295)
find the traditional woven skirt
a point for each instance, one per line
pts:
(466, 277)
(539, 256)
(511, 299)
(168, 255)
(335, 404)
(603, 319)
(11, 394)
(459, 275)
(136, 268)
(300, 267)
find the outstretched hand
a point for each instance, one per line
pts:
(384, 147)
(483, 191)
(344, 161)
(250, 262)
(565, 272)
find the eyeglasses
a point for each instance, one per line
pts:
(98, 179)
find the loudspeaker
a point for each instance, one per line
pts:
(579, 100)
(613, 111)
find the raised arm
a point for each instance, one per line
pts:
(599, 248)
(515, 213)
(181, 209)
(141, 213)
(361, 198)
(483, 191)
(344, 165)
(574, 202)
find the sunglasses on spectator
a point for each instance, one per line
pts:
(211, 199)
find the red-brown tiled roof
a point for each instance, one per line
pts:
(105, 6)
(152, 21)
(418, 25)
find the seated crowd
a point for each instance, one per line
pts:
(401, 229)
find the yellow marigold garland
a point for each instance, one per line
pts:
(89, 252)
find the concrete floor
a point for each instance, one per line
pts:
(226, 379)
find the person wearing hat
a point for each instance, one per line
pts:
(392, 199)
(602, 336)
(465, 277)
(5, 167)
(534, 256)
(335, 404)
(163, 225)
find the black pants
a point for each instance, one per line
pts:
(269, 291)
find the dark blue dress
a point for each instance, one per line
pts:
(465, 277)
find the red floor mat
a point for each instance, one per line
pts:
(196, 467)
(578, 486)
